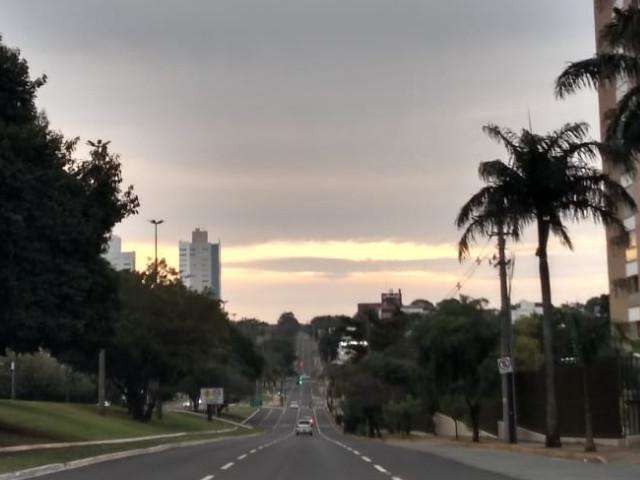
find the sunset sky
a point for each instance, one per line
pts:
(328, 144)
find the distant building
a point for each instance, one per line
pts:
(118, 259)
(391, 303)
(200, 264)
(525, 309)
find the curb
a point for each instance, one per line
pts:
(557, 454)
(84, 462)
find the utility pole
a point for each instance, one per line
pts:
(102, 370)
(13, 379)
(508, 393)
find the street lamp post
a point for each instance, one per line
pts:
(155, 224)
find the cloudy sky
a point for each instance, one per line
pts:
(327, 143)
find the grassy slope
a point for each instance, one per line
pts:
(10, 462)
(38, 422)
(239, 412)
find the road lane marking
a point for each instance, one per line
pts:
(396, 478)
(242, 457)
(208, 477)
(253, 451)
(380, 469)
(227, 466)
(366, 459)
(356, 452)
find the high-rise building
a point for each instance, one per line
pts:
(118, 259)
(200, 263)
(622, 256)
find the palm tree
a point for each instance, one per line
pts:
(617, 64)
(486, 215)
(550, 180)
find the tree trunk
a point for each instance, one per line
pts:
(474, 413)
(589, 444)
(553, 433)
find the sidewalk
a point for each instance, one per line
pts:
(533, 461)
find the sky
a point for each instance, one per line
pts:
(328, 144)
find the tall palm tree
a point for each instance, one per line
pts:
(617, 64)
(486, 215)
(550, 180)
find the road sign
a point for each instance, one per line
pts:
(212, 396)
(504, 365)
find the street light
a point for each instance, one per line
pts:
(155, 224)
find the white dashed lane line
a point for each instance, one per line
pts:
(208, 477)
(380, 469)
(253, 451)
(227, 466)
(366, 459)
(241, 457)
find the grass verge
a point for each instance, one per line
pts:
(238, 412)
(23, 422)
(10, 462)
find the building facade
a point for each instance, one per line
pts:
(200, 264)
(118, 259)
(622, 256)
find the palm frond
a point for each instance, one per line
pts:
(602, 69)
(503, 135)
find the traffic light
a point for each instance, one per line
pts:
(299, 381)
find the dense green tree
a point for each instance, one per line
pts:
(618, 63)
(164, 331)
(288, 324)
(550, 180)
(57, 213)
(458, 348)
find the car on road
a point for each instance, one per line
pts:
(304, 427)
(294, 405)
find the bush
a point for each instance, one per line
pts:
(401, 416)
(39, 376)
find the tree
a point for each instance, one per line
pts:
(590, 339)
(57, 213)
(288, 324)
(457, 348)
(550, 180)
(164, 334)
(618, 63)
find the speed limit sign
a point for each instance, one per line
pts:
(504, 365)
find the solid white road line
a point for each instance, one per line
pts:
(227, 466)
(366, 459)
(380, 469)
(241, 457)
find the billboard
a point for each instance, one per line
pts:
(212, 396)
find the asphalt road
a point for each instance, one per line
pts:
(280, 455)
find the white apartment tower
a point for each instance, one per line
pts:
(118, 259)
(200, 263)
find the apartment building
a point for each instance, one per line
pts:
(118, 259)
(622, 257)
(200, 263)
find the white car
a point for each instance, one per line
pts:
(304, 427)
(294, 405)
